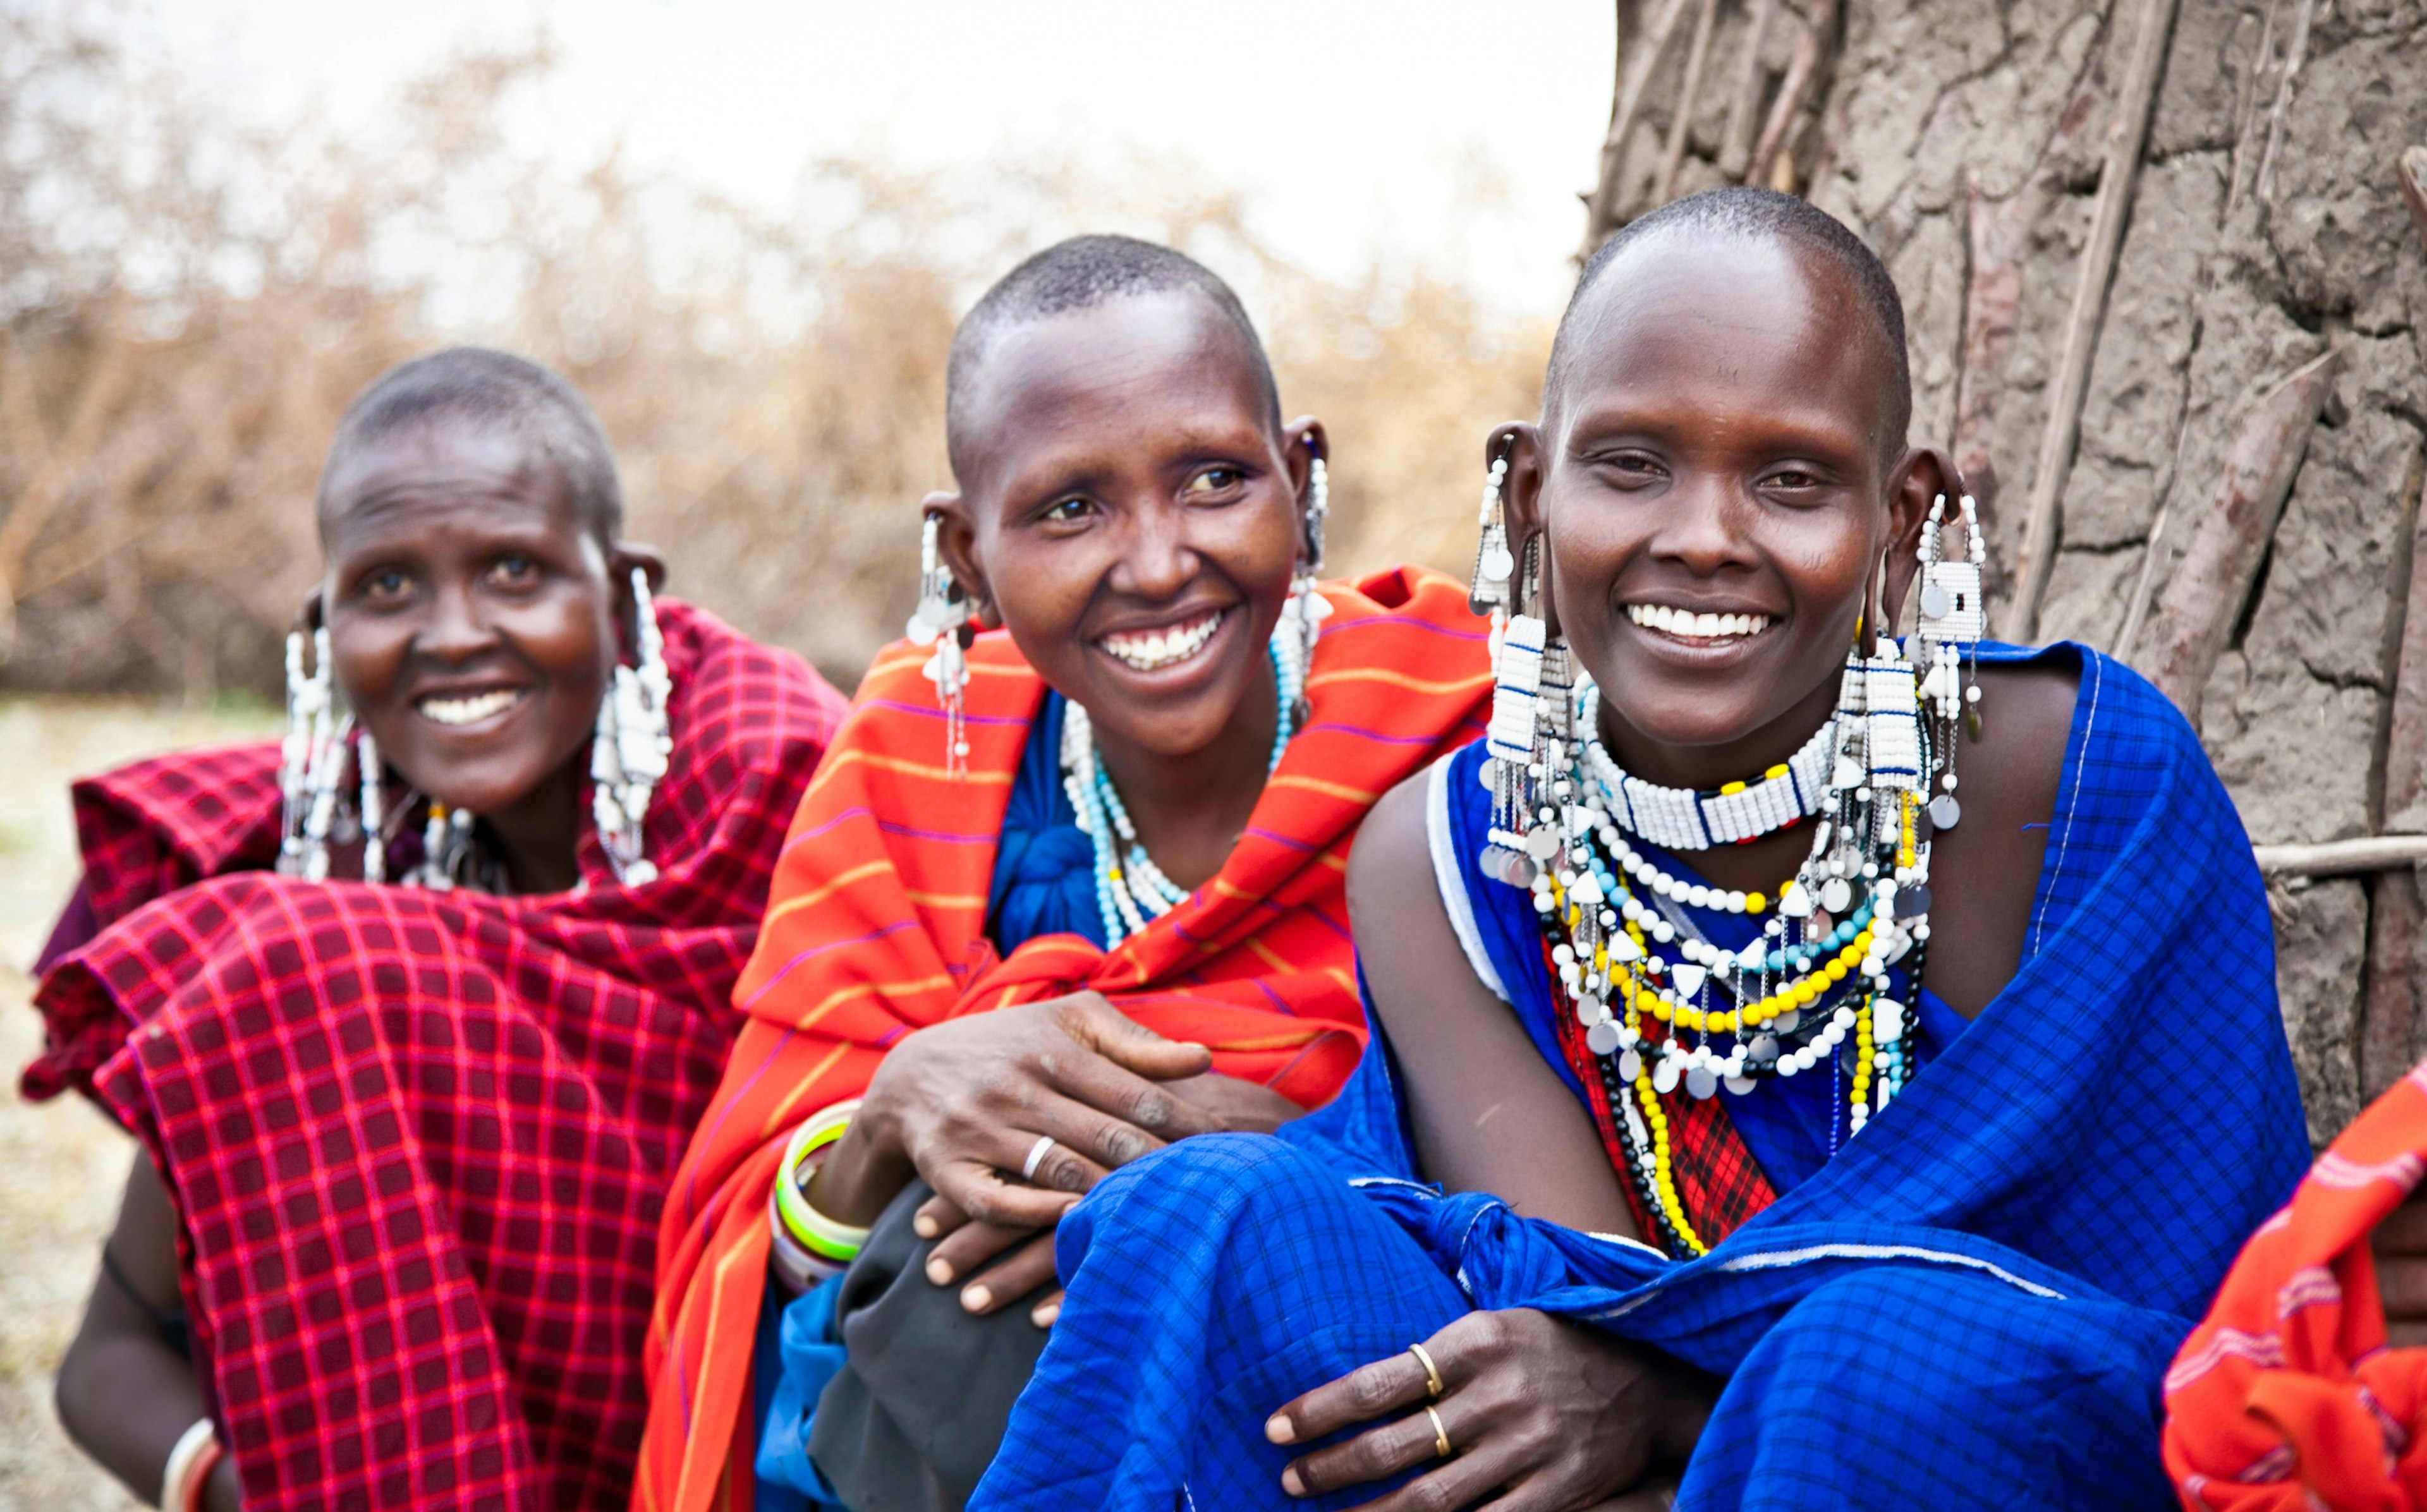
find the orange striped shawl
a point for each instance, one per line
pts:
(2284, 1398)
(875, 928)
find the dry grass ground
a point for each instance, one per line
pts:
(61, 1163)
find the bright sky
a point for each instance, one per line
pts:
(1350, 123)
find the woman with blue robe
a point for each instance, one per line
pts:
(1513, 1263)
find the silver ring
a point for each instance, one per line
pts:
(1036, 1157)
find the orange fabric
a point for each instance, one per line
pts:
(2284, 1398)
(876, 928)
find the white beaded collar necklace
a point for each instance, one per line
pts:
(1684, 819)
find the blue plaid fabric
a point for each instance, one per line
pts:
(1970, 1305)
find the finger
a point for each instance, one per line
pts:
(1044, 1149)
(1017, 1274)
(966, 1250)
(1045, 1312)
(2404, 1229)
(1364, 1394)
(1401, 1444)
(979, 1190)
(937, 1218)
(2402, 1285)
(1106, 1135)
(1091, 1020)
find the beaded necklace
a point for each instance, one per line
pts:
(1130, 890)
(1646, 986)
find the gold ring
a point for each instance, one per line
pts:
(1433, 1387)
(1440, 1435)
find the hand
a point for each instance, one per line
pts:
(1004, 1264)
(2401, 1245)
(1542, 1415)
(964, 1102)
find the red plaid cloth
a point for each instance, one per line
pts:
(420, 1141)
(1719, 1181)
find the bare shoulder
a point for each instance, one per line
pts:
(1391, 869)
(1985, 872)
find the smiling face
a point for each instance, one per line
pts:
(471, 615)
(1719, 487)
(1128, 512)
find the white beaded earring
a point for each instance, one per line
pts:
(1310, 606)
(310, 718)
(630, 753)
(942, 620)
(1952, 622)
(1529, 666)
(374, 817)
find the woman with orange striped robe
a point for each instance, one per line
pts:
(1098, 908)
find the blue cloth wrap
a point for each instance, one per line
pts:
(1043, 884)
(1972, 1304)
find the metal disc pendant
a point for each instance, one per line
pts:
(1498, 564)
(1542, 843)
(1835, 894)
(1602, 1038)
(1913, 901)
(1629, 1063)
(1934, 603)
(1700, 1082)
(1664, 1078)
(1788, 1023)
(1739, 1085)
(1945, 811)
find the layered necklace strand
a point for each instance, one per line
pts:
(1642, 979)
(1130, 890)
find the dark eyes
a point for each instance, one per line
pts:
(514, 571)
(1069, 510)
(1212, 481)
(1792, 479)
(387, 583)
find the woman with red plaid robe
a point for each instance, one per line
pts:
(413, 1018)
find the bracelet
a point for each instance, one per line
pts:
(197, 1454)
(793, 1268)
(816, 1232)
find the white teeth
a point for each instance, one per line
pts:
(1690, 625)
(1155, 649)
(469, 710)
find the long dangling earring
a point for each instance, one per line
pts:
(1310, 607)
(310, 697)
(1952, 622)
(1520, 841)
(942, 620)
(374, 816)
(630, 752)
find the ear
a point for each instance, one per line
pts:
(1922, 476)
(628, 555)
(1303, 440)
(1521, 502)
(957, 542)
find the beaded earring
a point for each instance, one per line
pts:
(1952, 622)
(374, 841)
(1310, 606)
(1528, 667)
(311, 699)
(942, 620)
(1488, 592)
(629, 753)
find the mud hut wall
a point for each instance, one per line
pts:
(1964, 139)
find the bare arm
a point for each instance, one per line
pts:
(1488, 1115)
(124, 1395)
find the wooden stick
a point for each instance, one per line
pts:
(2146, 585)
(1698, 52)
(1736, 142)
(1799, 70)
(1601, 208)
(2342, 858)
(2196, 614)
(2389, 1024)
(2127, 136)
(2295, 52)
(2388, 1011)
(2246, 114)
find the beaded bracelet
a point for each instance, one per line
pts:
(816, 1232)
